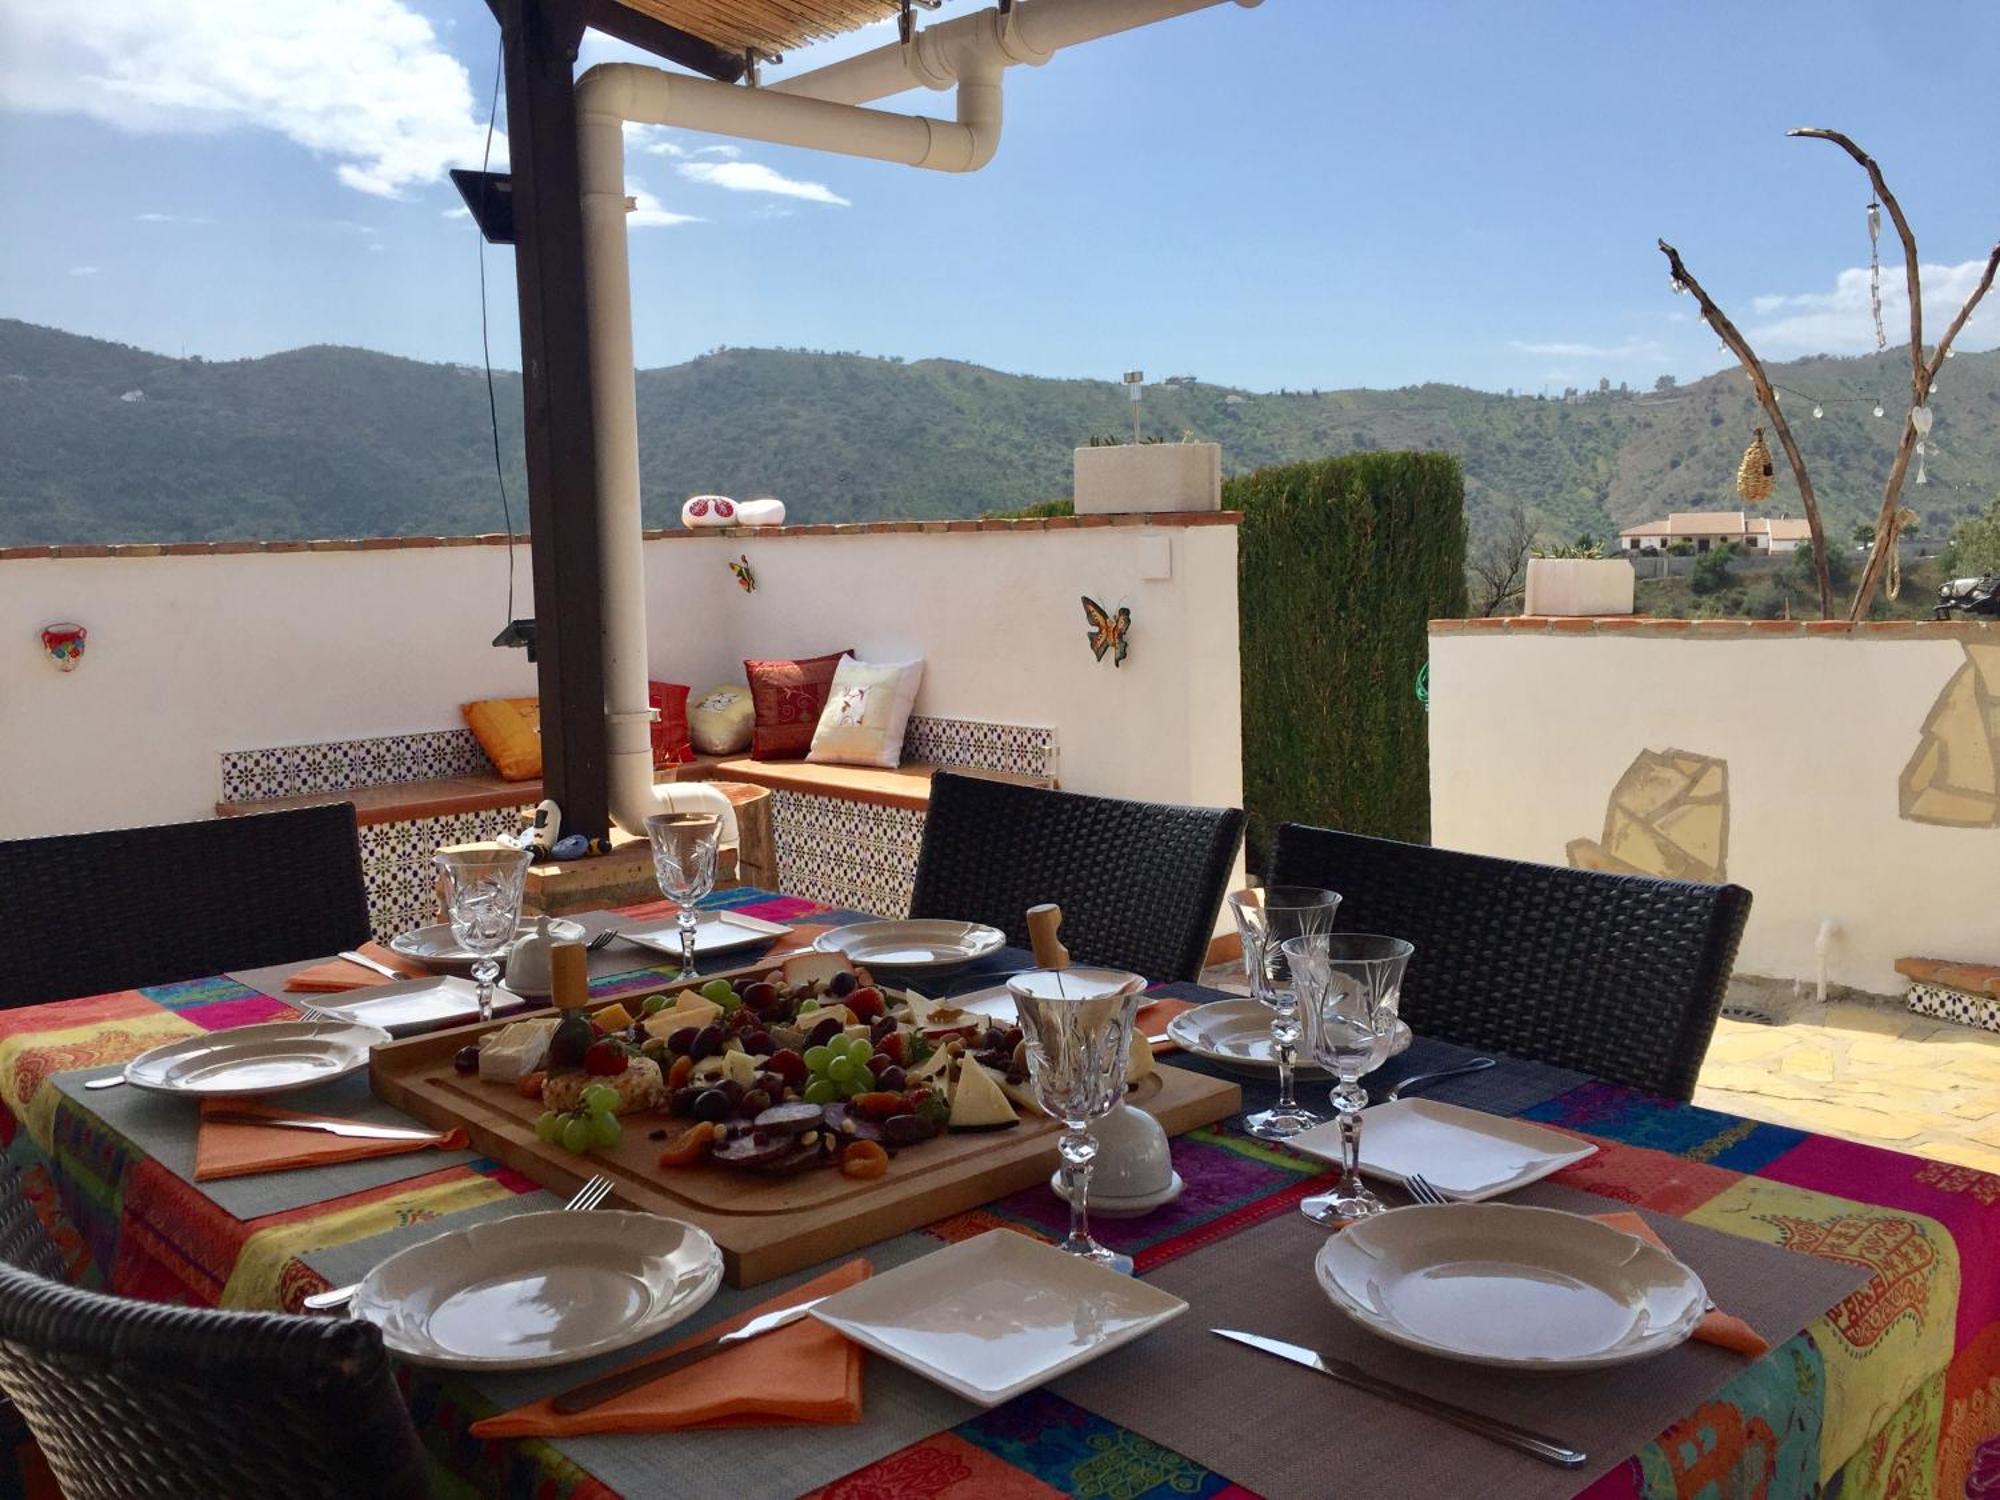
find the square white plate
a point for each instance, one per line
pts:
(413, 1005)
(1466, 1155)
(714, 932)
(996, 1315)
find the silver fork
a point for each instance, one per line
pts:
(603, 940)
(593, 1192)
(313, 1013)
(1421, 1191)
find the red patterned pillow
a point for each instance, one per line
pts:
(788, 697)
(671, 746)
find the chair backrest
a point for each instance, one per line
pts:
(1619, 976)
(24, 1242)
(91, 912)
(137, 1399)
(1139, 883)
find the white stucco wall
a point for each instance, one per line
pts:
(1530, 729)
(192, 655)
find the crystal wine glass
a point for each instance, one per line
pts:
(1351, 983)
(684, 861)
(1078, 1026)
(1266, 920)
(482, 900)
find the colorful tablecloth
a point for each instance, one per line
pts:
(1895, 1392)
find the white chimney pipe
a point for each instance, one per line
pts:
(815, 110)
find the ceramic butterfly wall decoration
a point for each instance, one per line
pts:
(745, 579)
(1108, 631)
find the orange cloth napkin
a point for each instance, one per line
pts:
(1717, 1328)
(228, 1149)
(337, 974)
(804, 1374)
(1153, 1018)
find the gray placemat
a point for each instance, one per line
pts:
(341, 1264)
(1285, 1432)
(165, 1129)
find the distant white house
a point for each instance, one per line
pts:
(1706, 529)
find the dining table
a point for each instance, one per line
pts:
(1862, 1267)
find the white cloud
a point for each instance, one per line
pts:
(727, 153)
(83, 270)
(1630, 349)
(755, 177)
(171, 219)
(364, 84)
(1839, 321)
(650, 212)
(461, 212)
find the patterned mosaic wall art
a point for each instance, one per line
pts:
(1023, 749)
(338, 765)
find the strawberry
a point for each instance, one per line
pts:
(605, 1059)
(895, 1045)
(866, 1004)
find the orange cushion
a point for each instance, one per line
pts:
(509, 730)
(789, 697)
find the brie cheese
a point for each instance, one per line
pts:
(515, 1050)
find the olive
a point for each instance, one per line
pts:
(842, 984)
(713, 1104)
(707, 1042)
(827, 1029)
(466, 1059)
(682, 1101)
(761, 996)
(681, 1041)
(731, 1090)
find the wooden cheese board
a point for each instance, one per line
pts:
(765, 1226)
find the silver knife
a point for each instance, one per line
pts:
(368, 963)
(1526, 1441)
(351, 1128)
(597, 1392)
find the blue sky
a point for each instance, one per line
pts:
(1306, 194)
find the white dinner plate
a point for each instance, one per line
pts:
(1237, 1033)
(274, 1058)
(414, 1004)
(916, 947)
(540, 1289)
(1465, 1154)
(996, 1315)
(437, 949)
(714, 932)
(1522, 1288)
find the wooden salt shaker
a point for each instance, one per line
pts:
(569, 976)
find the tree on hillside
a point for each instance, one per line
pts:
(1497, 567)
(1665, 383)
(1974, 548)
(1864, 534)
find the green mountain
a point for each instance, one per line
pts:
(101, 442)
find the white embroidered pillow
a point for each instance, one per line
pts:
(867, 713)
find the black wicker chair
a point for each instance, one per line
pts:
(1139, 883)
(92, 912)
(1619, 976)
(132, 1399)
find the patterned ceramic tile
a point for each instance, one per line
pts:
(396, 863)
(1025, 749)
(1961, 1006)
(338, 765)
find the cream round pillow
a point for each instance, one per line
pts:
(720, 720)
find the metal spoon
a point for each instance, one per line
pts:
(111, 1082)
(1477, 1065)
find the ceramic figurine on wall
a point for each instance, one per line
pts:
(708, 510)
(1108, 632)
(64, 643)
(745, 579)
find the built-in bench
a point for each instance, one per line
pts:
(1966, 993)
(847, 836)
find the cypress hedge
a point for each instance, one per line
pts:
(1343, 562)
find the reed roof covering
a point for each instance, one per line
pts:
(768, 25)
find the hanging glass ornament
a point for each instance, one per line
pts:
(1920, 423)
(1818, 412)
(1878, 408)
(1875, 273)
(1753, 475)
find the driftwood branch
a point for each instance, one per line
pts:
(1903, 232)
(1768, 398)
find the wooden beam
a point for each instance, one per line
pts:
(541, 39)
(657, 37)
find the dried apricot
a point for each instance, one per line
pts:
(690, 1145)
(529, 1085)
(677, 1075)
(863, 1159)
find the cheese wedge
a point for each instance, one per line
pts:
(690, 1012)
(809, 968)
(515, 1050)
(613, 1017)
(1140, 1063)
(977, 1102)
(934, 1065)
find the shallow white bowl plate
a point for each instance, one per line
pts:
(274, 1058)
(1466, 1155)
(436, 949)
(996, 1315)
(1238, 1033)
(1523, 1288)
(539, 1289)
(918, 947)
(714, 932)
(415, 1004)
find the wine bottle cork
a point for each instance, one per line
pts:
(1044, 922)
(569, 975)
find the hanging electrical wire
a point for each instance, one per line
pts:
(485, 344)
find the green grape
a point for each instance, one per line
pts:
(576, 1133)
(600, 1098)
(655, 1004)
(548, 1125)
(849, 1087)
(821, 1091)
(817, 1058)
(718, 990)
(842, 1069)
(604, 1130)
(859, 1048)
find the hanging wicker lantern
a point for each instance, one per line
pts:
(1753, 475)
